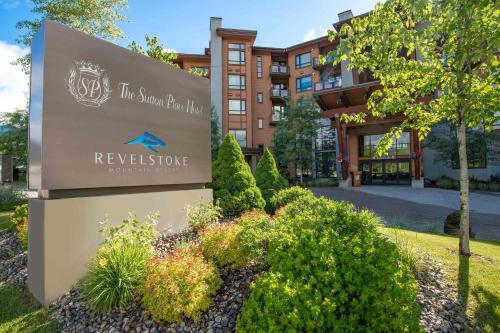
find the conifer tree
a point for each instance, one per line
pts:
(268, 178)
(233, 183)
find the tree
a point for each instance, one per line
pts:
(295, 134)
(14, 141)
(436, 60)
(268, 178)
(233, 183)
(93, 17)
(157, 51)
(214, 132)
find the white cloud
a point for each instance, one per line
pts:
(314, 33)
(14, 87)
(166, 49)
(9, 4)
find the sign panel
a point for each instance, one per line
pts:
(104, 116)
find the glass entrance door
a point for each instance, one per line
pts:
(385, 172)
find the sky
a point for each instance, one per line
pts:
(182, 26)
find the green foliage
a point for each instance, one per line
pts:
(14, 141)
(20, 312)
(233, 183)
(117, 269)
(94, 17)
(253, 238)
(114, 275)
(22, 234)
(288, 195)
(268, 178)
(10, 199)
(295, 134)
(214, 132)
(155, 50)
(181, 284)
(331, 271)
(321, 182)
(132, 230)
(202, 215)
(219, 244)
(449, 183)
(18, 216)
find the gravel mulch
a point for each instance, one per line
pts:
(441, 312)
(13, 260)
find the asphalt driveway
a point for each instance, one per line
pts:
(421, 209)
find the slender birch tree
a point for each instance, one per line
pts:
(436, 60)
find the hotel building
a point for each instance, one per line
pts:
(248, 87)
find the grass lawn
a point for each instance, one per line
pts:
(4, 220)
(19, 312)
(477, 277)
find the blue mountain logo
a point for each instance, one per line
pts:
(149, 141)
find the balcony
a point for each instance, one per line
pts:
(278, 71)
(317, 65)
(331, 84)
(278, 94)
(274, 118)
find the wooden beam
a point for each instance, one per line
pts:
(345, 100)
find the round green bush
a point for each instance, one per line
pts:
(268, 178)
(181, 284)
(288, 195)
(253, 237)
(219, 244)
(331, 271)
(233, 183)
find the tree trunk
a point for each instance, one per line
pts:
(464, 187)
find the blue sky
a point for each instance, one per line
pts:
(183, 26)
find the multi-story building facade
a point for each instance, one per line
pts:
(249, 85)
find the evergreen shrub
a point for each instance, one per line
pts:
(233, 183)
(268, 178)
(288, 195)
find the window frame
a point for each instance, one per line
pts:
(299, 65)
(299, 79)
(259, 67)
(241, 111)
(233, 87)
(233, 130)
(260, 123)
(260, 97)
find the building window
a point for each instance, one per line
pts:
(279, 109)
(236, 54)
(368, 145)
(237, 106)
(303, 60)
(477, 150)
(261, 123)
(240, 136)
(236, 81)
(259, 98)
(259, 67)
(304, 83)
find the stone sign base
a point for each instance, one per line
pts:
(64, 233)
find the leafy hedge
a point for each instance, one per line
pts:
(288, 195)
(330, 271)
(268, 178)
(181, 284)
(219, 243)
(233, 183)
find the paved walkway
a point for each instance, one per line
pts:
(421, 209)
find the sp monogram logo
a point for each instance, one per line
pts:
(88, 84)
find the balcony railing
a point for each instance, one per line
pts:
(279, 69)
(275, 117)
(279, 93)
(328, 84)
(316, 64)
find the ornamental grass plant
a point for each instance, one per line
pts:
(119, 266)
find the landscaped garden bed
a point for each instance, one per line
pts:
(307, 264)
